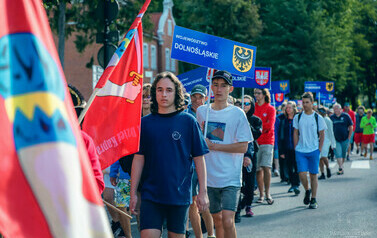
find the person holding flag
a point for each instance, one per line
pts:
(170, 140)
(228, 135)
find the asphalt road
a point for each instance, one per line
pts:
(347, 207)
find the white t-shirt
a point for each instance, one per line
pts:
(308, 138)
(226, 126)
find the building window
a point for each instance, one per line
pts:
(172, 65)
(170, 29)
(167, 59)
(153, 57)
(145, 56)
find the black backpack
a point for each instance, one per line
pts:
(316, 120)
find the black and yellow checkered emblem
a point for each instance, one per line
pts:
(242, 58)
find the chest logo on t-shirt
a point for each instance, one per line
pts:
(264, 114)
(176, 135)
(342, 118)
(216, 131)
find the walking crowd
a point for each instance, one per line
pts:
(204, 163)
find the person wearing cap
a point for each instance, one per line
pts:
(328, 141)
(352, 114)
(266, 141)
(228, 135)
(343, 128)
(198, 97)
(368, 123)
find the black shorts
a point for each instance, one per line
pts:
(152, 216)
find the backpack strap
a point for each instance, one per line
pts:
(316, 120)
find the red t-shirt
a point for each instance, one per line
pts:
(96, 166)
(267, 114)
(353, 118)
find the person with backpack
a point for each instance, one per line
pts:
(286, 145)
(309, 135)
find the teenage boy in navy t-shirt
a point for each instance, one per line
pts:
(169, 139)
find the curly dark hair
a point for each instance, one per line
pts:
(266, 94)
(179, 96)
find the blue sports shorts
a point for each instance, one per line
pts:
(308, 161)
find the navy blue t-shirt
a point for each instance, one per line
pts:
(168, 143)
(341, 125)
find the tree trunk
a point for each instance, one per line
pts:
(61, 30)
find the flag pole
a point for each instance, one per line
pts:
(273, 98)
(209, 76)
(243, 94)
(134, 25)
(116, 209)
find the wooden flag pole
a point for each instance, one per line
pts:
(91, 99)
(117, 210)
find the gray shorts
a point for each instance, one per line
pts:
(264, 156)
(223, 199)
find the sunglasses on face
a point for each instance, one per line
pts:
(246, 103)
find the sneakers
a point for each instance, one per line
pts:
(371, 157)
(340, 172)
(328, 172)
(357, 151)
(307, 197)
(237, 217)
(276, 173)
(249, 213)
(290, 190)
(322, 176)
(313, 204)
(296, 190)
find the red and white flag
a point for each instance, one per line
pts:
(47, 183)
(113, 118)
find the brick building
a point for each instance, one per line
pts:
(156, 54)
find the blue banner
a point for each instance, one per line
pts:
(278, 99)
(280, 86)
(213, 52)
(199, 76)
(320, 86)
(325, 96)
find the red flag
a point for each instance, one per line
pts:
(47, 183)
(113, 119)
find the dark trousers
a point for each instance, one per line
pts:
(284, 175)
(290, 158)
(248, 183)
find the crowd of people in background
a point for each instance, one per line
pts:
(205, 163)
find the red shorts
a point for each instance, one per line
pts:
(357, 138)
(368, 139)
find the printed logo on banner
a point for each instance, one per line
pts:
(329, 87)
(261, 77)
(283, 86)
(242, 58)
(279, 97)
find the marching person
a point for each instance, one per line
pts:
(342, 125)
(170, 139)
(266, 113)
(228, 135)
(308, 142)
(329, 141)
(358, 130)
(368, 123)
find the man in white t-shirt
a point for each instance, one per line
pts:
(227, 137)
(309, 134)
